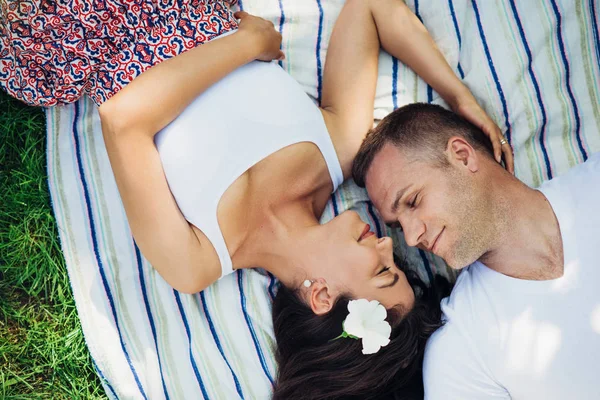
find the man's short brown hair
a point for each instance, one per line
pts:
(422, 128)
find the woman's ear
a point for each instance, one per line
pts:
(321, 299)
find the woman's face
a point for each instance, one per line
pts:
(361, 264)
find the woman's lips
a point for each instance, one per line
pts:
(366, 235)
(366, 232)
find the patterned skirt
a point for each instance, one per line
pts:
(54, 51)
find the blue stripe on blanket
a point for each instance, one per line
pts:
(218, 343)
(138, 259)
(429, 88)
(319, 67)
(536, 86)
(429, 94)
(457, 30)
(259, 351)
(493, 70)
(281, 22)
(99, 262)
(187, 331)
(427, 266)
(336, 212)
(373, 216)
(271, 285)
(104, 380)
(595, 29)
(395, 82)
(563, 54)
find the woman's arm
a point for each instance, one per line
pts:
(351, 71)
(180, 252)
(155, 98)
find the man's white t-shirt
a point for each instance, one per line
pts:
(510, 338)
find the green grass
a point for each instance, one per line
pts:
(42, 350)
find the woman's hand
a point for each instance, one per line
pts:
(472, 112)
(264, 34)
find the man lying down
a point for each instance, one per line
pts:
(523, 320)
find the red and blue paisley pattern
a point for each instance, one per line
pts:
(54, 51)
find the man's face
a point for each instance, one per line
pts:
(440, 209)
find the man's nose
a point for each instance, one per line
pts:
(413, 231)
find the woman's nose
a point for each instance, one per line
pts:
(385, 246)
(351, 214)
(352, 218)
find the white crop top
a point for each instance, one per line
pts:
(251, 113)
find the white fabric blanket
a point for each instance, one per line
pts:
(534, 66)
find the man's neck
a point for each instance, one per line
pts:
(529, 245)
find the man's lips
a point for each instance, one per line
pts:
(366, 232)
(433, 248)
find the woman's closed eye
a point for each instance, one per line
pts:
(384, 269)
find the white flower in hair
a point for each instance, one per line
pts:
(366, 321)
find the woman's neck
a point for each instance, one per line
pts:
(277, 243)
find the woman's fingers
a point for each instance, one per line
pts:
(502, 149)
(495, 136)
(472, 112)
(509, 159)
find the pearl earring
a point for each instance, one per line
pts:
(307, 283)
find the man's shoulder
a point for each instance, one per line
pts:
(446, 337)
(457, 354)
(574, 197)
(453, 365)
(582, 177)
(469, 312)
(453, 368)
(458, 310)
(467, 291)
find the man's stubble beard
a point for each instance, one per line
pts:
(473, 221)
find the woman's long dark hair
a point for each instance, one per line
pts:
(313, 367)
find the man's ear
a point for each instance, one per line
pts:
(321, 299)
(461, 152)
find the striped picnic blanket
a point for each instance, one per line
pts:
(533, 64)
